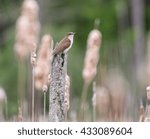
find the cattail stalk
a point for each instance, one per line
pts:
(94, 102)
(83, 100)
(90, 65)
(44, 106)
(27, 33)
(33, 59)
(44, 89)
(21, 84)
(33, 94)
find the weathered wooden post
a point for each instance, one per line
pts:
(57, 89)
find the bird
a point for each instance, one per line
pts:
(65, 44)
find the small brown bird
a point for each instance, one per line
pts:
(65, 44)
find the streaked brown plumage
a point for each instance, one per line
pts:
(65, 44)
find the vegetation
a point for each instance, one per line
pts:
(124, 52)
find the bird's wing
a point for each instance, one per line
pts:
(61, 46)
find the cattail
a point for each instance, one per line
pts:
(67, 93)
(30, 9)
(26, 40)
(20, 47)
(118, 87)
(90, 65)
(27, 29)
(103, 103)
(44, 59)
(92, 55)
(43, 66)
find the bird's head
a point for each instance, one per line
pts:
(70, 33)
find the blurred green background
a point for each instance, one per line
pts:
(57, 17)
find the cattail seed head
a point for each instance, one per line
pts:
(94, 38)
(20, 47)
(27, 29)
(30, 9)
(43, 67)
(102, 97)
(67, 92)
(46, 44)
(102, 102)
(92, 55)
(119, 88)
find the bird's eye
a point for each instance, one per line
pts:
(70, 33)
